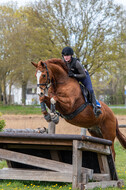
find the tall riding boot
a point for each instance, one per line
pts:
(96, 110)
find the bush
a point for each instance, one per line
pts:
(2, 123)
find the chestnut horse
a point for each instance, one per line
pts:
(56, 89)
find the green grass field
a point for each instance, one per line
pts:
(25, 110)
(32, 185)
(17, 109)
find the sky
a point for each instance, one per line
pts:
(24, 2)
(122, 2)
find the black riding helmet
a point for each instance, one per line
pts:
(67, 51)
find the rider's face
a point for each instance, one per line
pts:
(67, 58)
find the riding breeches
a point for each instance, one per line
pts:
(87, 82)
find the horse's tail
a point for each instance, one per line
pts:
(120, 136)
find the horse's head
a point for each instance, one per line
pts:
(43, 78)
(52, 70)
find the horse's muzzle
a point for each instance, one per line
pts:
(39, 92)
(42, 92)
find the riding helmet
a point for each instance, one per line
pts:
(67, 51)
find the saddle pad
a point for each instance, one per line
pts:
(98, 104)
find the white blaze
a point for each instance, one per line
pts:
(38, 74)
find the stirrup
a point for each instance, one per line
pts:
(97, 111)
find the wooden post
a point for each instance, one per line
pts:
(77, 163)
(51, 128)
(111, 164)
(83, 131)
(103, 164)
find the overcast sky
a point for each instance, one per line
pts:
(24, 2)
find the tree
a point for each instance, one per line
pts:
(5, 30)
(88, 26)
(15, 52)
(94, 28)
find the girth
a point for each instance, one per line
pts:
(76, 112)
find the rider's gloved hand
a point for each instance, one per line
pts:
(71, 74)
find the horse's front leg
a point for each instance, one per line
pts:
(54, 115)
(47, 116)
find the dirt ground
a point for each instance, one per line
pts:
(37, 121)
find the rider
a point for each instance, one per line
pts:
(77, 71)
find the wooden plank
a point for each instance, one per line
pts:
(54, 137)
(36, 141)
(9, 164)
(104, 184)
(87, 171)
(55, 155)
(40, 162)
(38, 147)
(94, 147)
(103, 164)
(35, 175)
(84, 178)
(101, 177)
(35, 161)
(77, 163)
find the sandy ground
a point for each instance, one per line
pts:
(37, 121)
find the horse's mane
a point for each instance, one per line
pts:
(59, 62)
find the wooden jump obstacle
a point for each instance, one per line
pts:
(59, 158)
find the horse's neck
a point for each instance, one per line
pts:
(58, 73)
(67, 102)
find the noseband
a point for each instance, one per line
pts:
(48, 81)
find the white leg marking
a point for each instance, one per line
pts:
(52, 101)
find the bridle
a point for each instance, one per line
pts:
(47, 84)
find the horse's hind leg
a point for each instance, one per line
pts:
(112, 147)
(96, 132)
(108, 130)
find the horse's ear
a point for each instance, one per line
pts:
(41, 63)
(35, 64)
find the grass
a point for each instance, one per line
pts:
(118, 111)
(31, 185)
(18, 109)
(25, 110)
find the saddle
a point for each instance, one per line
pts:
(87, 95)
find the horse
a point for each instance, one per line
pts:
(63, 93)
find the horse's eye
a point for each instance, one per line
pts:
(44, 76)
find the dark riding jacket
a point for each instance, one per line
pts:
(76, 68)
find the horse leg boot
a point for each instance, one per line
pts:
(96, 110)
(47, 116)
(54, 116)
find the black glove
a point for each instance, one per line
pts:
(71, 74)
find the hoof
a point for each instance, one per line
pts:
(55, 118)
